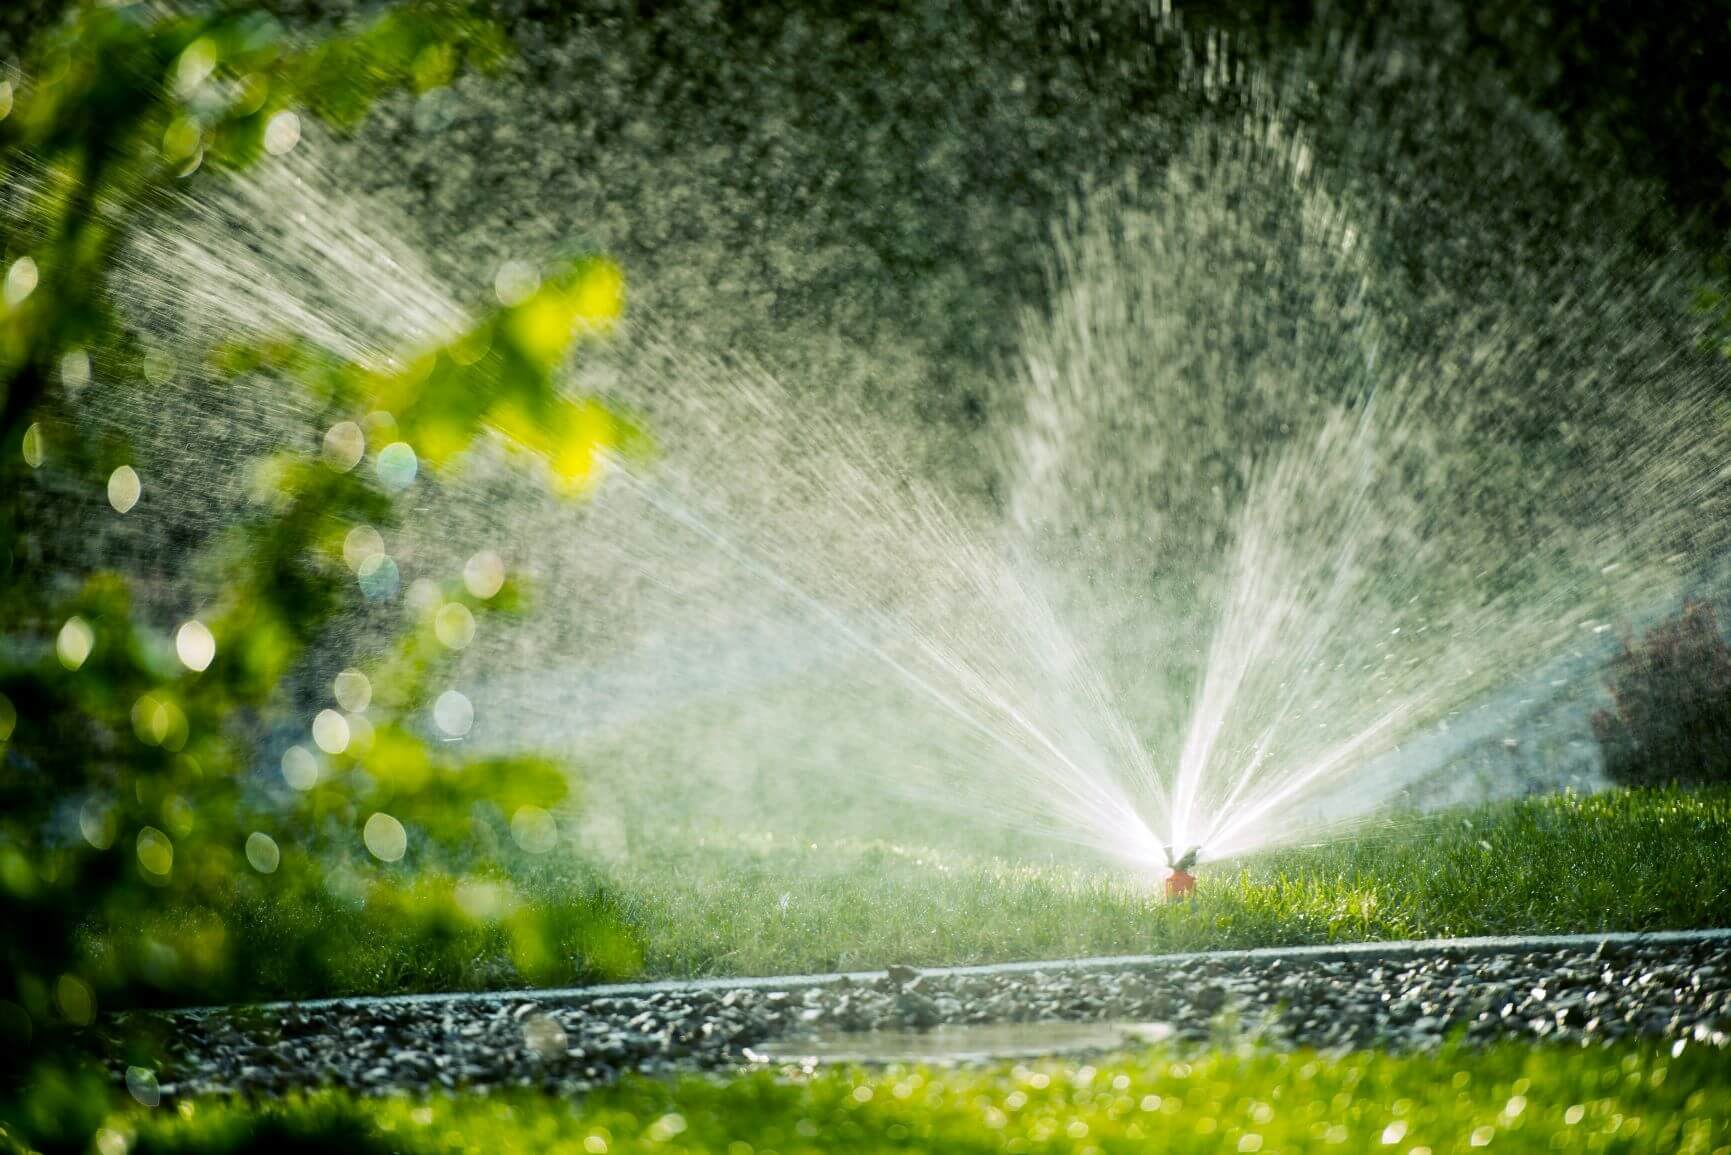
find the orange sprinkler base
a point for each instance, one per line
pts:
(1180, 884)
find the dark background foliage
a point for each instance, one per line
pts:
(1670, 718)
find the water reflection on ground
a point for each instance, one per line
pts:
(960, 1043)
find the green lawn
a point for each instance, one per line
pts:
(1639, 860)
(1512, 1098)
(754, 905)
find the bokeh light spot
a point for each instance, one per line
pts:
(481, 899)
(178, 815)
(535, 830)
(159, 366)
(345, 445)
(282, 132)
(142, 1086)
(544, 1037)
(424, 596)
(75, 999)
(385, 838)
(158, 721)
(453, 713)
(379, 577)
(516, 282)
(300, 769)
(195, 65)
(352, 690)
(360, 735)
(359, 544)
(331, 732)
(155, 853)
(96, 823)
(397, 466)
(21, 280)
(195, 645)
(75, 369)
(484, 574)
(454, 625)
(262, 852)
(34, 446)
(124, 488)
(74, 642)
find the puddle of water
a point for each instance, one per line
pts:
(960, 1043)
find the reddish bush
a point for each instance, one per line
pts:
(1670, 717)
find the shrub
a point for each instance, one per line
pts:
(132, 840)
(1670, 717)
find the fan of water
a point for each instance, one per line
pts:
(1256, 505)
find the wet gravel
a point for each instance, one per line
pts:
(575, 1041)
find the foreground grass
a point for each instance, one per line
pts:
(1510, 1098)
(1635, 860)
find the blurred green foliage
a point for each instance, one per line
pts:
(1628, 1098)
(133, 826)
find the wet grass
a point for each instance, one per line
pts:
(1628, 1098)
(1631, 860)
(689, 906)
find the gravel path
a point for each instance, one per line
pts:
(1409, 996)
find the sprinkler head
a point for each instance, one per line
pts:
(1181, 883)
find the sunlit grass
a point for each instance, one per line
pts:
(1632, 1098)
(1623, 860)
(757, 905)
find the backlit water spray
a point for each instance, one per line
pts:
(1256, 500)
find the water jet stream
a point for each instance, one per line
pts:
(1267, 488)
